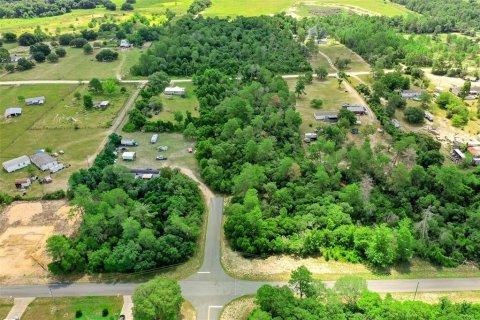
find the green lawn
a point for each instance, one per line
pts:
(5, 306)
(255, 8)
(78, 66)
(66, 307)
(50, 126)
(336, 50)
(176, 103)
(78, 19)
(328, 91)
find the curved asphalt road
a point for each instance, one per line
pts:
(211, 288)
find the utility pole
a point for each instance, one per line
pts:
(416, 290)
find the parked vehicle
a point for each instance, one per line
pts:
(163, 148)
(161, 157)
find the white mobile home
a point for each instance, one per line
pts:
(129, 143)
(175, 91)
(16, 164)
(129, 156)
(13, 112)
(35, 101)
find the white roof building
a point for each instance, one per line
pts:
(13, 112)
(35, 101)
(16, 164)
(129, 156)
(44, 161)
(175, 91)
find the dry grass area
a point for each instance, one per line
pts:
(5, 305)
(336, 50)
(24, 229)
(434, 297)
(239, 309)
(278, 268)
(187, 311)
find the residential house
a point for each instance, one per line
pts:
(35, 101)
(16, 164)
(411, 94)
(13, 112)
(472, 95)
(129, 156)
(326, 116)
(44, 161)
(23, 183)
(175, 91)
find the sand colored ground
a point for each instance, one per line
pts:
(24, 230)
(238, 309)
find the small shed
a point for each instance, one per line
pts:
(175, 91)
(125, 44)
(128, 142)
(23, 183)
(154, 139)
(16, 164)
(13, 112)
(44, 161)
(147, 176)
(35, 101)
(129, 156)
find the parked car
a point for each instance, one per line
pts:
(160, 157)
(123, 149)
(163, 148)
(190, 150)
(354, 131)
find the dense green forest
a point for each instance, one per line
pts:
(442, 15)
(337, 200)
(45, 8)
(128, 224)
(309, 299)
(193, 45)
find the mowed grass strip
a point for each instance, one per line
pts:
(232, 8)
(78, 66)
(66, 307)
(5, 306)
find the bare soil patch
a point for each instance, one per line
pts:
(24, 230)
(239, 309)
(187, 311)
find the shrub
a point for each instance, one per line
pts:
(78, 314)
(316, 103)
(52, 57)
(24, 64)
(126, 7)
(106, 55)
(39, 56)
(87, 48)
(65, 39)
(414, 115)
(10, 68)
(105, 312)
(78, 42)
(9, 37)
(27, 39)
(56, 195)
(61, 52)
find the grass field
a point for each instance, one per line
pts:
(50, 126)
(255, 8)
(336, 50)
(146, 152)
(65, 308)
(80, 18)
(176, 103)
(328, 91)
(5, 306)
(78, 66)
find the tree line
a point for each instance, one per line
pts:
(43, 8)
(307, 298)
(192, 45)
(128, 224)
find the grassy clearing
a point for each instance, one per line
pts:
(5, 306)
(335, 50)
(434, 297)
(78, 66)
(319, 60)
(65, 308)
(48, 126)
(78, 19)
(239, 308)
(176, 103)
(255, 8)
(187, 311)
(328, 91)
(177, 153)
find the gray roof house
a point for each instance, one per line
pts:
(35, 101)
(43, 161)
(327, 116)
(16, 164)
(101, 104)
(13, 112)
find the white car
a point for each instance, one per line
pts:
(163, 148)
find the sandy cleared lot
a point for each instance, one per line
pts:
(24, 230)
(239, 309)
